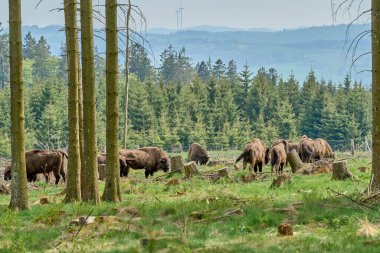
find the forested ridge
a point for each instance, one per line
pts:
(180, 103)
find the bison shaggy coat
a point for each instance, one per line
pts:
(306, 149)
(277, 155)
(254, 154)
(322, 149)
(42, 161)
(198, 154)
(151, 159)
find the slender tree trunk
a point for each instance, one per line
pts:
(126, 92)
(73, 165)
(112, 185)
(89, 176)
(375, 185)
(80, 123)
(19, 197)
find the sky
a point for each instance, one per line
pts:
(243, 14)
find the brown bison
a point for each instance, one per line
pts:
(293, 146)
(151, 159)
(254, 154)
(42, 161)
(198, 154)
(322, 149)
(306, 149)
(102, 158)
(277, 155)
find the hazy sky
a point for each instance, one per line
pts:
(275, 14)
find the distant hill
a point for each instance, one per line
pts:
(322, 49)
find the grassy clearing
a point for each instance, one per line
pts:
(190, 217)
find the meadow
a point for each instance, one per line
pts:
(199, 215)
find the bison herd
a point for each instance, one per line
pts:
(256, 154)
(153, 159)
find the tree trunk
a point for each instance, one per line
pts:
(90, 191)
(126, 94)
(340, 171)
(19, 197)
(80, 124)
(294, 161)
(73, 164)
(112, 185)
(177, 163)
(375, 185)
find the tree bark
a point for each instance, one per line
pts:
(112, 184)
(19, 197)
(89, 177)
(80, 124)
(73, 164)
(340, 171)
(295, 161)
(375, 185)
(126, 92)
(190, 169)
(177, 163)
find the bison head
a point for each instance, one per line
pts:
(164, 164)
(8, 173)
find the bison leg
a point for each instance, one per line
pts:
(62, 173)
(57, 176)
(260, 167)
(147, 172)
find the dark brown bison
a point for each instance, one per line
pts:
(42, 161)
(254, 154)
(151, 159)
(306, 149)
(198, 154)
(322, 149)
(102, 158)
(277, 155)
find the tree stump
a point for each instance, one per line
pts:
(214, 163)
(294, 161)
(363, 169)
(340, 171)
(177, 163)
(285, 230)
(224, 172)
(102, 171)
(280, 180)
(190, 169)
(4, 188)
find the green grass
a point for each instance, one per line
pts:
(189, 217)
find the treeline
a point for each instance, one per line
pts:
(178, 103)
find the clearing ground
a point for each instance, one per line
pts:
(199, 215)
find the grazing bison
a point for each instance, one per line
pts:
(102, 158)
(322, 149)
(306, 149)
(293, 146)
(198, 154)
(254, 154)
(277, 155)
(42, 161)
(151, 159)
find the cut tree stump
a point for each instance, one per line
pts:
(340, 171)
(214, 163)
(190, 169)
(294, 161)
(363, 169)
(285, 230)
(102, 171)
(280, 180)
(177, 163)
(224, 172)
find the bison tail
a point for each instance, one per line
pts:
(241, 157)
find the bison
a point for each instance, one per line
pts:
(293, 146)
(198, 154)
(151, 159)
(277, 155)
(306, 149)
(102, 158)
(42, 161)
(254, 154)
(322, 149)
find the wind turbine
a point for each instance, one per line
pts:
(177, 13)
(181, 10)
